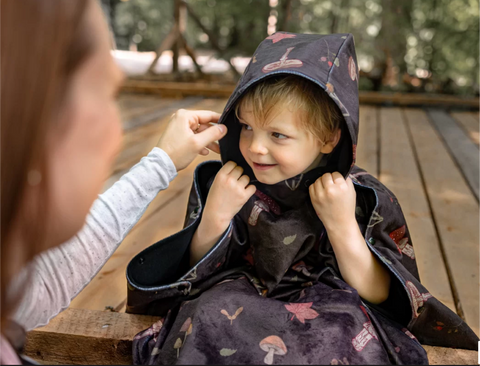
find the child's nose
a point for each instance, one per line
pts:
(256, 147)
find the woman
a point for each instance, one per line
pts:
(60, 133)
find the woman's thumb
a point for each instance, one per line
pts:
(211, 134)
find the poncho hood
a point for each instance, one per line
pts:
(330, 62)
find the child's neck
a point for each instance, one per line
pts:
(314, 164)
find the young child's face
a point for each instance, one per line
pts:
(280, 150)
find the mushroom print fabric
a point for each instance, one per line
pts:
(270, 291)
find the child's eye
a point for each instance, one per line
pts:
(246, 127)
(279, 135)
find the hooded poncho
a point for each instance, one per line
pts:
(270, 291)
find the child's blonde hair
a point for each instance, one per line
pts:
(318, 113)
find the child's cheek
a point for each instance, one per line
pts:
(244, 145)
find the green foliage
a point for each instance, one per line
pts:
(416, 45)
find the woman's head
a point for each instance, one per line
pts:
(289, 123)
(59, 120)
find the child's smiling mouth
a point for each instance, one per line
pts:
(258, 166)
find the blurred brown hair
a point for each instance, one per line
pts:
(43, 42)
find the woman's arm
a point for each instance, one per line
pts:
(59, 274)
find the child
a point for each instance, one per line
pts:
(291, 254)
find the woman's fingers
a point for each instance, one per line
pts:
(196, 118)
(211, 134)
(204, 152)
(214, 147)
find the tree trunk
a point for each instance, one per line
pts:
(285, 15)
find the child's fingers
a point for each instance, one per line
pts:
(337, 178)
(244, 180)
(236, 172)
(327, 180)
(228, 167)
(250, 190)
(204, 152)
(350, 184)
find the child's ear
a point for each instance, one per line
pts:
(330, 145)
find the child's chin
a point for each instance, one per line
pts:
(267, 180)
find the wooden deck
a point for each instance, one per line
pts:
(428, 157)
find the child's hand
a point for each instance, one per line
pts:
(334, 200)
(229, 192)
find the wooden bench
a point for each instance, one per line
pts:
(92, 337)
(426, 157)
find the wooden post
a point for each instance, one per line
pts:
(176, 44)
(175, 40)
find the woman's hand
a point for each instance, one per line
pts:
(188, 134)
(334, 200)
(229, 192)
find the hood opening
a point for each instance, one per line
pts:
(340, 159)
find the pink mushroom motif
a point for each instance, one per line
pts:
(366, 335)
(418, 299)
(283, 63)
(152, 331)
(352, 69)
(272, 205)
(277, 37)
(258, 207)
(398, 236)
(273, 345)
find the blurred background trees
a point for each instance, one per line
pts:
(409, 45)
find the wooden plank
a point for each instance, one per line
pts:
(367, 146)
(178, 89)
(450, 356)
(223, 90)
(461, 147)
(413, 99)
(399, 172)
(159, 111)
(86, 337)
(469, 123)
(132, 105)
(164, 217)
(455, 212)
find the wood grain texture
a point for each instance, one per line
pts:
(464, 151)
(86, 337)
(469, 122)
(367, 146)
(455, 211)
(223, 90)
(399, 172)
(450, 356)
